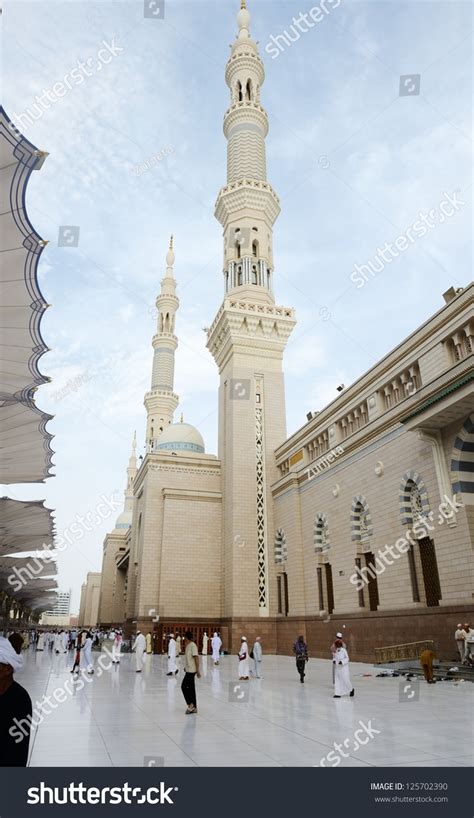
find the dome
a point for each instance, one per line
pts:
(181, 437)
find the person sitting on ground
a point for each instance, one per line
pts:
(15, 705)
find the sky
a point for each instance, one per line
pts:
(137, 153)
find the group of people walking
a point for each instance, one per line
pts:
(340, 665)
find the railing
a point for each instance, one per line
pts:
(400, 653)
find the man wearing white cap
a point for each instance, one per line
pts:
(15, 706)
(139, 648)
(244, 670)
(116, 647)
(216, 644)
(460, 638)
(333, 651)
(172, 666)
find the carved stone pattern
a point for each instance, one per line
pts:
(261, 533)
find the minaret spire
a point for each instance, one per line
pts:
(161, 401)
(131, 472)
(247, 206)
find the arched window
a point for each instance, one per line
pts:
(238, 91)
(321, 533)
(239, 275)
(362, 530)
(255, 248)
(462, 462)
(237, 248)
(254, 274)
(413, 500)
(248, 90)
(423, 565)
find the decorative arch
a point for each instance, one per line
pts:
(321, 533)
(462, 462)
(281, 552)
(361, 520)
(413, 498)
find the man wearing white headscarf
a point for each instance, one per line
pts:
(342, 679)
(58, 641)
(205, 640)
(172, 665)
(244, 669)
(15, 706)
(216, 644)
(139, 648)
(87, 652)
(116, 647)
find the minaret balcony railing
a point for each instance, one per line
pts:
(257, 183)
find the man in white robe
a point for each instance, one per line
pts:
(257, 657)
(139, 648)
(216, 644)
(58, 641)
(205, 640)
(244, 670)
(172, 666)
(342, 680)
(87, 652)
(116, 648)
(40, 642)
(65, 641)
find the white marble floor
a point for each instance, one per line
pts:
(122, 718)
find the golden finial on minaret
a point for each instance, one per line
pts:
(181, 419)
(243, 4)
(170, 254)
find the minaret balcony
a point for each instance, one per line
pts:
(241, 61)
(247, 194)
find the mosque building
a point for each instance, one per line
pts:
(277, 536)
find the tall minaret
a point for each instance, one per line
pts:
(124, 520)
(247, 340)
(247, 206)
(161, 401)
(131, 474)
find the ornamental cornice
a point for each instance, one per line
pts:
(243, 112)
(240, 61)
(247, 193)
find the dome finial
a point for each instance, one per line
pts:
(243, 21)
(182, 417)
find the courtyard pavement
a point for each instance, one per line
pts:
(120, 718)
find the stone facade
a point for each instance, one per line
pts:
(280, 536)
(90, 597)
